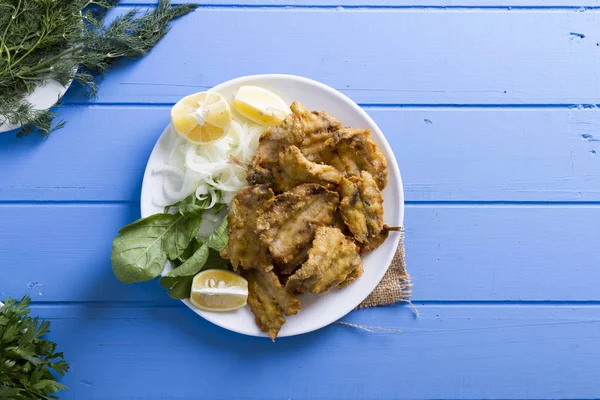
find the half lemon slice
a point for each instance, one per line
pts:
(260, 105)
(201, 117)
(219, 290)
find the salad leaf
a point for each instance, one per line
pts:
(183, 233)
(215, 261)
(220, 237)
(29, 364)
(182, 288)
(188, 252)
(142, 248)
(206, 257)
(140, 251)
(189, 268)
(218, 208)
(191, 207)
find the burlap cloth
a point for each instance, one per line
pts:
(395, 285)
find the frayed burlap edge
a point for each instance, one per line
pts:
(395, 286)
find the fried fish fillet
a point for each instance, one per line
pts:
(294, 169)
(352, 277)
(288, 223)
(289, 267)
(376, 241)
(353, 151)
(244, 247)
(332, 260)
(268, 299)
(361, 206)
(307, 130)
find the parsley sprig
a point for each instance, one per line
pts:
(29, 364)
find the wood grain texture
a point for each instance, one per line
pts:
(455, 352)
(445, 154)
(376, 56)
(390, 3)
(490, 109)
(454, 253)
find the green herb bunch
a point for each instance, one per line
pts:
(142, 248)
(29, 364)
(67, 40)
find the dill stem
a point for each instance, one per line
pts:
(21, 46)
(14, 16)
(29, 51)
(51, 60)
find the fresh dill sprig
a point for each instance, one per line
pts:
(66, 40)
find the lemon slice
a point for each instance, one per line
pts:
(219, 290)
(260, 105)
(201, 117)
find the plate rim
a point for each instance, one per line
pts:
(212, 317)
(43, 89)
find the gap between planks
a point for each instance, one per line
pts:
(375, 7)
(418, 303)
(561, 106)
(408, 204)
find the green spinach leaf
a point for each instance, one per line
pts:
(220, 237)
(182, 235)
(189, 268)
(218, 208)
(141, 249)
(182, 288)
(215, 261)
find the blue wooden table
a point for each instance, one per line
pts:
(491, 109)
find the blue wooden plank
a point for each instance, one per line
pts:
(445, 154)
(389, 3)
(464, 253)
(375, 56)
(449, 352)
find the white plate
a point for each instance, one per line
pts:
(316, 312)
(42, 98)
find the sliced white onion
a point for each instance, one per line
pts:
(204, 169)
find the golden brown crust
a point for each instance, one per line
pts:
(308, 238)
(375, 241)
(361, 206)
(332, 260)
(352, 276)
(353, 151)
(268, 299)
(244, 248)
(307, 130)
(288, 223)
(294, 169)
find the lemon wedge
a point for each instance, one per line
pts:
(260, 105)
(201, 117)
(219, 290)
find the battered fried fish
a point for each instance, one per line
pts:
(376, 241)
(288, 223)
(353, 151)
(289, 267)
(332, 260)
(361, 206)
(294, 169)
(352, 277)
(268, 299)
(307, 130)
(244, 247)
